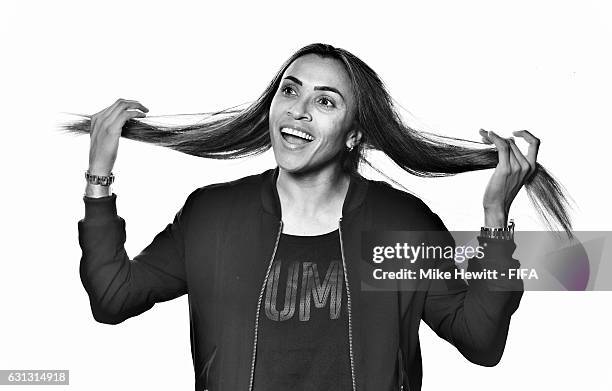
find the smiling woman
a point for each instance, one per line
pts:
(299, 227)
(313, 114)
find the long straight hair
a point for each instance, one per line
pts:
(236, 133)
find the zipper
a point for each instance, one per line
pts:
(261, 293)
(401, 370)
(348, 301)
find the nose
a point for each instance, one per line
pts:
(299, 111)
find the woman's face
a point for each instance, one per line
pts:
(311, 115)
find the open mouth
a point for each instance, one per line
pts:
(296, 137)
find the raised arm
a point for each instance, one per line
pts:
(120, 287)
(475, 318)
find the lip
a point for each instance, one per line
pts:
(296, 127)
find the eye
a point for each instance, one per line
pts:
(327, 102)
(288, 90)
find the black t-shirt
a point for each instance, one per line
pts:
(303, 322)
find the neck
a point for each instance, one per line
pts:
(314, 192)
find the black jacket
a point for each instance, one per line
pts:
(219, 249)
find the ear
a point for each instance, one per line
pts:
(353, 137)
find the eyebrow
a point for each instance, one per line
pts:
(321, 88)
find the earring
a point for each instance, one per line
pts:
(351, 148)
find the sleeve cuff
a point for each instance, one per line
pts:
(498, 250)
(100, 208)
(504, 245)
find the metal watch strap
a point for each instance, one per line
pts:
(498, 232)
(99, 179)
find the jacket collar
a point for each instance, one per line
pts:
(270, 200)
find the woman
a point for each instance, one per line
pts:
(294, 232)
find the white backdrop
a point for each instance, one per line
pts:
(456, 66)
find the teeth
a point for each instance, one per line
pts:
(297, 133)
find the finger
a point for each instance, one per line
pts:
(109, 110)
(127, 115)
(518, 154)
(123, 107)
(120, 105)
(134, 104)
(515, 167)
(503, 151)
(102, 115)
(485, 137)
(523, 166)
(534, 145)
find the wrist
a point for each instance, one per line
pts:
(505, 233)
(100, 170)
(98, 185)
(96, 191)
(104, 180)
(495, 217)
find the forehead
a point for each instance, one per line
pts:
(315, 70)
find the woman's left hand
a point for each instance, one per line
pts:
(510, 174)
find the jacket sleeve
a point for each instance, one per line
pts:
(475, 317)
(119, 287)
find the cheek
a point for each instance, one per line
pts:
(335, 132)
(273, 117)
(276, 109)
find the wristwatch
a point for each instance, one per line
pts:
(99, 179)
(498, 232)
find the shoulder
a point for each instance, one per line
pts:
(217, 196)
(382, 193)
(394, 205)
(250, 182)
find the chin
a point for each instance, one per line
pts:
(301, 167)
(292, 166)
(301, 163)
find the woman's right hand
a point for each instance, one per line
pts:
(105, 132)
